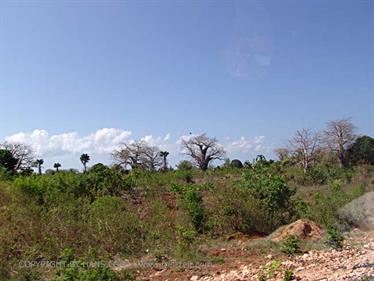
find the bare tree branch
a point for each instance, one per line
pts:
(22, 152)
(138, 154)
(304, 145)
(338, 135)
(202, 150)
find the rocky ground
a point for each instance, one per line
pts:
(354, 262)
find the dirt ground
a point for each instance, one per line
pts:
(235, 262)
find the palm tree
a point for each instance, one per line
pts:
(56, 166)
(39, 163)
(84, 159)
(164, 155)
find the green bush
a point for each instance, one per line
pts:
(334, 239)
(185, 175)
(191, 202)
(271, 194)
(290, 245)
(113, 227)
(185, 165)
(186, 243)
(288, 275)
(80, 270)
(238, 209)
(324, 209)
(318, 175)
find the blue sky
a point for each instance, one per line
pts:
(247, 72)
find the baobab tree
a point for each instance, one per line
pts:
(339, 134)
(84, 159)
(22, 152)
(164, 155)
(304, 146)
(129, 154)
(202, 150)
(138, 154)
(57, 166)
(151, 158)
(38, 163)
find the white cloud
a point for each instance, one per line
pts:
(102, 141)
(245, 145)
(167, 137)
(67, 146)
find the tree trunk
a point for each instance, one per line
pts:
(204, 166)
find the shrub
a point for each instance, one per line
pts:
(80, 270)
(290, 245)
(288, 275)
(241, 211)
(185, 165)
(101, 180)
(318, 175)
(271, 268)
(334, 239)
(185, 175)
(113, 227)
(5, 175)
(324, 209)
(191, 201)
(272, 193)
(186, 239)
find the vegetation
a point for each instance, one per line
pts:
(290, 245)
(110, 212)
(85, 158)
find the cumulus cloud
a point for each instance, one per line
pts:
(102, 141)
(66, 146)
(245, 145)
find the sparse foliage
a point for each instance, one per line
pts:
(138, 154)
(304, 145)
(339, 134)
(202, 150)
(282, 153)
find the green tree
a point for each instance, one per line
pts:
(84, 159)
(7, 160)
(236, 163)
(362, 150)
(57, 166)
(185, 165)
(22, 152)
(272, 191)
